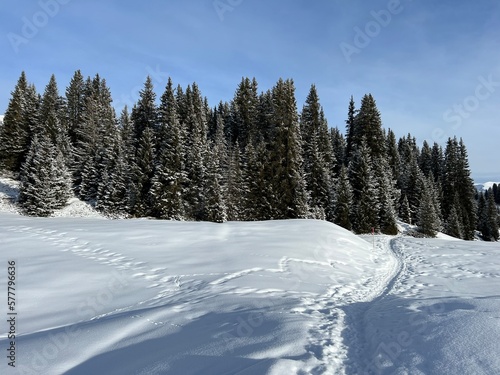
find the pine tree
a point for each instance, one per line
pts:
(458, 187)
(97, 141)
(339, 150)
(288, 182)
(45, 181)
(363, 183)
(368, 125)
(243, 126)
(258, 179)
(388, 196)
(428, 218)
(437, 162)
(488, 216)
(112, 195)
(393, 155)
(318, 157)
(145, 114)
(410, 174)
(453, 225)
(425, 160)
(170, 174)
(343, 201)
(496, 193)
(197, 151)
(15, 134)
(352, 137)
(404, 210)
(216, 205)
(75, 99)
(236, 187)
(140, 200)
(53, 118)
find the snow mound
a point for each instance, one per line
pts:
(9, 191)
(77, 208)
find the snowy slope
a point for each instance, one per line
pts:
(155, 297)
(99, 296)
(440, 315)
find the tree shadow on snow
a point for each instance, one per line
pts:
(397, 335)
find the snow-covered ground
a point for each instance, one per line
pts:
(97, 296)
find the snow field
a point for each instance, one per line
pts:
(156, 297)
(282, 297)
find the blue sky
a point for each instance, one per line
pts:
(432, 66)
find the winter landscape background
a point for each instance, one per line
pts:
(164, 212)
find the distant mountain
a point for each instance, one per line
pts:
(485, 185)
(1, 119)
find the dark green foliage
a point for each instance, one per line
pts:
(287, 178)
(365, 198)
(404, 210)
(318, 158)
(458, 188)
(343, 202)
(20, 119)
(251, 159)
(170, 174)
(428, 211)
(368, 125)
(45, 181)
(488, 216)
(393, 155)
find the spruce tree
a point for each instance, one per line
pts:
(339, 150)
(458, 187)
(388, 197)
(368, 125)
(53, 118)
(488, 217)
(352, 137)
(393, 157)
(140, 200)
(217, 163)
(145, 115)
(258, 179)
(404, 210)
(453, 225)
(343, 201)
(425, 159)
(236, 190)
(288, 182)
(244, 113)
(318, 157)
(197, 151)
(45, 181)
(365, 198)
(170, 174)
(75, 99)
(16, 132)
(428, 218)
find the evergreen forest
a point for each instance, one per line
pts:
(257, 157)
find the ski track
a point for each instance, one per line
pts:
(338, 343)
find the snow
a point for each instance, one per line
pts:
(485, 186)
(281, 297)
(9, 191)
(142, 296)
